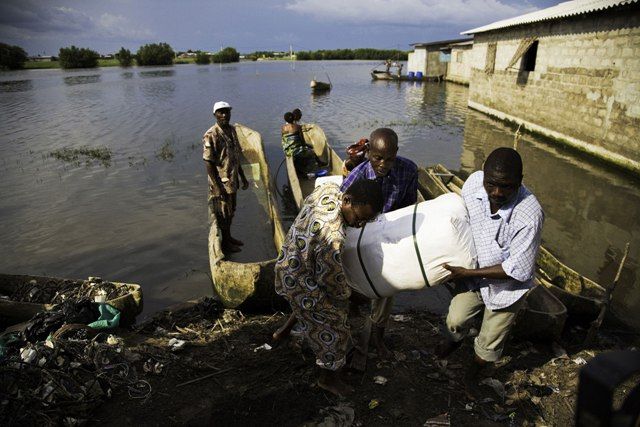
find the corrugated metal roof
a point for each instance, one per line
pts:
(440, 42)
(561, 10)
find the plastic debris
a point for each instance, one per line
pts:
(264, 346)
(468, 407)
(176, 344)
(559, 352)
(378, 379)
(374, 403)
(579, 361)
(440, 420)
(401, 318)
(535, 400)
(341, 415)
(496, 385)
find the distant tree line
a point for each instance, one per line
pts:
(378, 54)
(14, 57)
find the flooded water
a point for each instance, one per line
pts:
(141, 217)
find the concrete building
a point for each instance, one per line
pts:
(570, 72)
(428, 58)
(459, 67)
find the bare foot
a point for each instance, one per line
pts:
(331, 382)
(236, 241)
(283, 332)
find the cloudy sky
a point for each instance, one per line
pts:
(43, 26)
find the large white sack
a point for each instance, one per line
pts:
(381, 260)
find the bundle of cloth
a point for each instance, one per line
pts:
(406, 249)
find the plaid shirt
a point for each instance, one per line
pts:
(510, 237)
(399, 187)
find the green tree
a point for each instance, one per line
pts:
(155, 54)
(73, 57)
(228, 54)
(124, 57)
(12, 57)
(202, 58)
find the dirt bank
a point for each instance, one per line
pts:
(222, 376)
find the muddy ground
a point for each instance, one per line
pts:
(222, 376)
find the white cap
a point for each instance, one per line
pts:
(220, 105)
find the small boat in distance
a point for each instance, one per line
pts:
(582, 297)
(249, 284)
(318, 86)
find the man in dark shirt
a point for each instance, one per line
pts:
(399, 179)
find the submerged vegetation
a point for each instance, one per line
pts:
(166, 152)
(88, 154)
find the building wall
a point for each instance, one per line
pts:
(435, 68)
(585, 89)
(459, 69)
(417, 61)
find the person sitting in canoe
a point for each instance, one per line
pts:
(297, 115)
(293, 144)
(309, 273)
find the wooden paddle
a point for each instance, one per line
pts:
(595, 325)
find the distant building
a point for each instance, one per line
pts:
(40, 58)
(428, 59)
(459, 66)
(570, 72)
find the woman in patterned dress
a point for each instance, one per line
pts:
(309, 272)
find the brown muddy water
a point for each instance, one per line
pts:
(140, 215)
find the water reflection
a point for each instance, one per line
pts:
(127, 75)
(160, 90)
(81, 80)
(590, 212)
(16, 86)
(157, 73)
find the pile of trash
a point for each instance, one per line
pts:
(56, 291)
(55, 368)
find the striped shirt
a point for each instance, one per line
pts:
(399, 187)
(510, 237)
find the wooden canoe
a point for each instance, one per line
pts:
(248, 285)
(582, 297)
(300, 185)
(383, 75)
(318, 86)
(12, 311)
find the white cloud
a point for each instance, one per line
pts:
(117, 26)
(409, 12)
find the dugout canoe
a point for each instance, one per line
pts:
(581, 296)
(300, 185)
(248, 285)
(18, 290)
(318, 86)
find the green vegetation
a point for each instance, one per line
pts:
(72, 155)
(12, 57)
(166, 151)
(155, 54)
(73, 57)
(228, 54)
(202, 58)
(396, 55)
(124, 57)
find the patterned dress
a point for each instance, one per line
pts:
(309, 275)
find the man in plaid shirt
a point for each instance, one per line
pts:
(506, 223)
(398, 177)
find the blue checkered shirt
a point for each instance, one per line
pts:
(399, 187)
(510, 237)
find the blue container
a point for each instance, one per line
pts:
(410, 74)
(419, 75)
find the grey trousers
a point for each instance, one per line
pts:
(496, 324)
